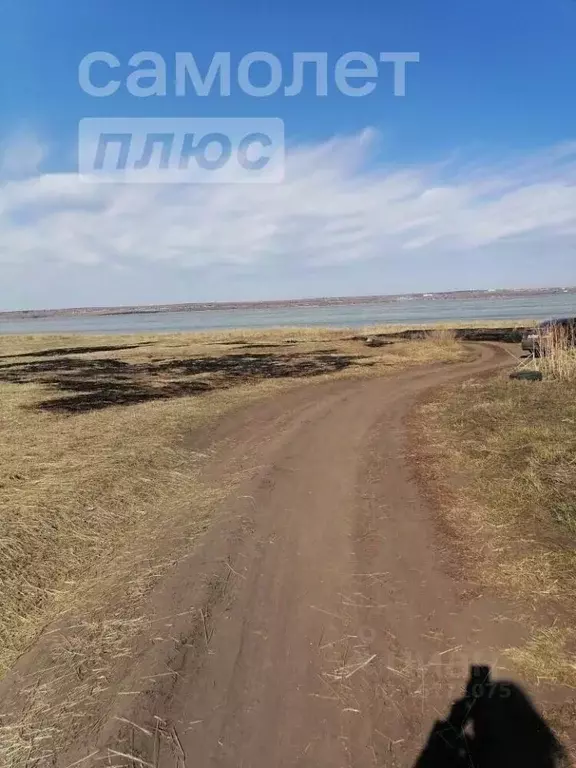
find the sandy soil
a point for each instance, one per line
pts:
(322, 621)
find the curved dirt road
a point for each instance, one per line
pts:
(332, 632)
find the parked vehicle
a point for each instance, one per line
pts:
(535, 339)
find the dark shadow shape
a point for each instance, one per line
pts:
(76, 350)
(495, 725)
(98, 384)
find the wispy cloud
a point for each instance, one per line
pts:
(336, 207)
(21, 156)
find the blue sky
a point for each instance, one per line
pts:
(467, 181)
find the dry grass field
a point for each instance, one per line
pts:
(100, 496)
(512, 447)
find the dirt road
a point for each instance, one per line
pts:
(329, 628)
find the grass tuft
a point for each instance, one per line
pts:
(443, 337)
(547, 656)
(557, 354)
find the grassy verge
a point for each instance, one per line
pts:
(557, 354)
(512, 447)
(99, 496)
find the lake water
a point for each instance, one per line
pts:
(406, 312)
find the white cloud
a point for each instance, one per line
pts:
(336, 207)
(21, 156)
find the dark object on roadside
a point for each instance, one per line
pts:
(377, 341)
(534, 339)
(494, 725)
(527, 375)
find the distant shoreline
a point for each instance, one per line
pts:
(287, 303)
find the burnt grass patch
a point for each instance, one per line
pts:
(86, 385)
(60, 351)
(502, 335)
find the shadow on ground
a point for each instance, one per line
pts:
(88, 385)
(494, 725)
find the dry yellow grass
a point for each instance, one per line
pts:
(96, 487)
(557, 354)
(444, 337)
(513, 445)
